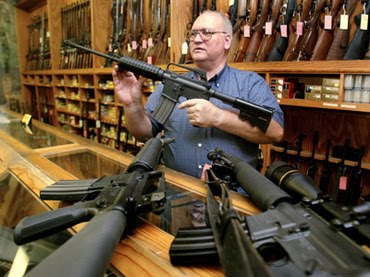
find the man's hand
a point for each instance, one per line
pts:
(202, 113)
(129, 89)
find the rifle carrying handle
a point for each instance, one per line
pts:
(39, 226)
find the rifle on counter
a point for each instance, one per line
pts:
(326, 36)
(360, 41)
(176, 85)
(111, 204)
(297, 234)
(309, 40)
(295, 41)
(245, 31)
(340, 43)
(268, 40)
(258, 32)
(281, 43)
(312, 167)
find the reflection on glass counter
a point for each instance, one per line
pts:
(87, 164)
(33, 136)
(16, 202)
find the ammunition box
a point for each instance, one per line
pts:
(329, 97)
(312, 96)
(330, 82)
(332, 90)
(313, 89)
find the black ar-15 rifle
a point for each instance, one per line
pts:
(297, 234)
(176, 85)
(111, 202)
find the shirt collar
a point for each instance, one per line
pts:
(214, 78)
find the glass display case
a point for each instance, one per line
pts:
(32, 136)
(17, 202)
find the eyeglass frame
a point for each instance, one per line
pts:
(204, 34)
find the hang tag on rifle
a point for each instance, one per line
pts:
(129, 49)
(110, 47)
(150, 42)
(98, 124)
(169, 42)
(327, 22)
(149, 60)
(144, 44)
(284, 30)
(299, 30)
(247, 31)
(343, 25)
(205, 167)
(80, 123)
(184, 48)
(364, 21)
(231, 2)
(343, 183)
(134, 45)
(268, 28)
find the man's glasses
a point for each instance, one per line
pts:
(205, 34)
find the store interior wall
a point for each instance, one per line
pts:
(10, 91)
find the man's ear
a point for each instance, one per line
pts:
(227, 42)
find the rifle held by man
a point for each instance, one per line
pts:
(176, 85)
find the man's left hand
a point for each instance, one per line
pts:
(201, 112)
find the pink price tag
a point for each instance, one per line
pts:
(299, 30)
(134, 45)
(149, 60)
(247, 31)
(327, 22)
(150, 42)
(343, 183)
(284, 31)
(144, 44)
(205, 167)
(110, 47)
(268, 28)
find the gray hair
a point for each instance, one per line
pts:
(225, 21)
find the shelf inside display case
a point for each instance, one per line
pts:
(86, 164)
(31, 135)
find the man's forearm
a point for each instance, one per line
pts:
(230, 122)
(137, 121)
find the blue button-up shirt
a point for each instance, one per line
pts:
(188, 153)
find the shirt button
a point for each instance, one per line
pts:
(199, 166)
(217, 85)
(199, 145)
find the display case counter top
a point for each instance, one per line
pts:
(145, 252)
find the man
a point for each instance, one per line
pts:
(217, 124)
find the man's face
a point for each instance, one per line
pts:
(213, 48)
